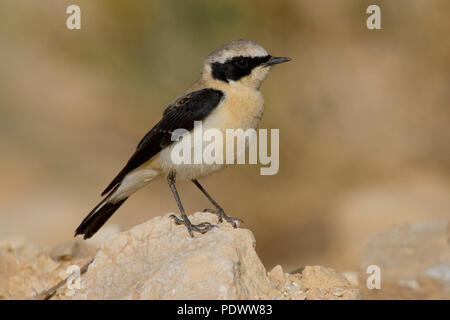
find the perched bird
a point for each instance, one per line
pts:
(226, 96)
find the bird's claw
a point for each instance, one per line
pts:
(200, 228)
(223, 216)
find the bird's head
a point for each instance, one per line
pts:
(239, 62)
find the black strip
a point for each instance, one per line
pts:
(237, 67)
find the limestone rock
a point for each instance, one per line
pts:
(414, 260)
(159, 260)
(326, 284)
(369, 210)
(26, 270)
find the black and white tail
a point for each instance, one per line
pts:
(98, 216)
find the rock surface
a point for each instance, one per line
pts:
(159, 260)
(414, 260)
(26, 270)
(369, 210)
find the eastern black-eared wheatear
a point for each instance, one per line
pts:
(225, 97)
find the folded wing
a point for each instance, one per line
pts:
(181, 114)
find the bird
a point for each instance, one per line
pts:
(226, 96)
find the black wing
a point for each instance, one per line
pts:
(194, 106)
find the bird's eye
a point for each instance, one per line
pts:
(241, 63)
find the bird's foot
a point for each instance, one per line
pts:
(200, 228)
(223, 216)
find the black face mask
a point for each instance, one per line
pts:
(237, 67)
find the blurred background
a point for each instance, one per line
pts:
(363, 116)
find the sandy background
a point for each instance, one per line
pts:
(363, 117)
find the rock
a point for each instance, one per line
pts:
(313, 283)
(159, 260)
(26, 270)
(277, 276)
(103, 235)
(352, 277)
(440, 272)
(369, 210)
(326, 284)
(414, 260)
(71, 250)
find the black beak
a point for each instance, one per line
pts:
(276, 60)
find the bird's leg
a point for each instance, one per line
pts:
(219, 211)
(201, 227)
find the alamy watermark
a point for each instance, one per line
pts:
(73, 21)
(374, 280)
(208, 146)
(73, 280)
